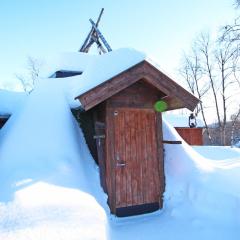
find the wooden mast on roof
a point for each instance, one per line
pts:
(95, 36)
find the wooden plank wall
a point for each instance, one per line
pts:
(130, 103)
(136, 146)
(139, 95)
(85, 120)
(193, 136)
(178, 97)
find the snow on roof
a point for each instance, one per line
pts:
(178, 120)
(96, 68)
(10, 101)
(114, 62)
(68, 61)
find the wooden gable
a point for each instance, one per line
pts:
(172, 93)
(128, 135)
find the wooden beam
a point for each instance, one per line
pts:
(171, 142)
(88, 41)
(100, 35)
(177, 98)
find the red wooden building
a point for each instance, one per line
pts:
(128, 135)
(191, 135)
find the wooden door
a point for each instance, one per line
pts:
(137, 181)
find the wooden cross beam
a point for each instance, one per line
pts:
(99, 34)
(94, 36)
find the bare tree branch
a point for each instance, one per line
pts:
(33, 70)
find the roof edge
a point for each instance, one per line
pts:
(144, 69)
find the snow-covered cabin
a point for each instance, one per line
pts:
(113, 96)
(192, 135)
(117, 93)
(48, 179)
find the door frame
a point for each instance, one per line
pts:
(110, 161)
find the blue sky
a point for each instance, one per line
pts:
(163, 29)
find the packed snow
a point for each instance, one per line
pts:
(11, 101)
(218, 152)
(47, 175)
(50, 186)
(95, 69)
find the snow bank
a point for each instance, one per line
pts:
(50, 184)
(11, 101)
(198, 203)
(210, 188)
(177, 120)
(218, 152)
(47, 176)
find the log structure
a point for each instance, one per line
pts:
(128, 135)
(193, 136)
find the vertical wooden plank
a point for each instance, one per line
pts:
(128, 157)
(108, 159)
(144, 157)
(110, 169)
(160, 158)
(147, 175)
(124, 169)
(134, 167)
(200, 136)
(122, 150)
(100, 142)
(117, 156)
(150, 159)
(139, 156)
(155, 168)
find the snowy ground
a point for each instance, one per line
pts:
(218, 152)
(68, 203)
(50, 184)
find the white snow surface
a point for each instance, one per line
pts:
(218, 152)
(50, 185)
(96, 69)
(178, 120)
(11, 101)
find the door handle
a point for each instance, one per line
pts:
(121, 164)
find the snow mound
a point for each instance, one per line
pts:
(209, 187)
(48, 177)
(95, 69)
(218, 152)
(11, 101)
(50, 184)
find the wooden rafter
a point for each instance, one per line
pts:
(95, 36)
(175, 96)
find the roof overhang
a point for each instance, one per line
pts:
(175, 95)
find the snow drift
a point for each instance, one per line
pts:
(11, 101)
(50, 184)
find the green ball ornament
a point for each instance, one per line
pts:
(160, 106)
